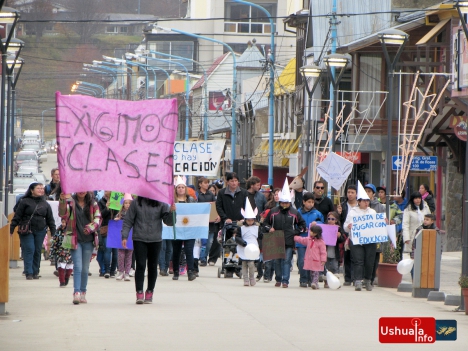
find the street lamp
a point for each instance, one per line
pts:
(398, 38)
(312, 72)
(332, 62)
(103, 91)
(234, 85)
(462, 307)
(7, 16)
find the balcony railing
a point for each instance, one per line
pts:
(247, 27)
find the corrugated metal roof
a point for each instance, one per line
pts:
(286, 82)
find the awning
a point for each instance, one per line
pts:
(433, 32)
(286, 82)
(282, 148)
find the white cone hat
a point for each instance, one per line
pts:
(249, 213)
(361, 193)
(285, 195)
(178, 181)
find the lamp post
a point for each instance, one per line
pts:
(459, 5)
(205, 123)
(103, 91)
(234, 85)
(78, 88)
(271, 62)
(390, 37)
(7, 16)
(310, 71)
(332, 62)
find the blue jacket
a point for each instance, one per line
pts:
(402, 206)
(313, 215)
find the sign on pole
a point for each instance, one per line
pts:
(198, 158)
(419, 163)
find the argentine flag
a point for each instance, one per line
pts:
(192, 222)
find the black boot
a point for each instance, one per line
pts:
(191, 275)
(176, 275)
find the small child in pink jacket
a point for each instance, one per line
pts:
(316, 253)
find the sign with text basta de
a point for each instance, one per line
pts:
(419, 163)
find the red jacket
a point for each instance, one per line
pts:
(316, 253)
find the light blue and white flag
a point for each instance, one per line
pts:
(192, 222)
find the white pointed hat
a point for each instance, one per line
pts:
(178, 181)
(249, 213)
(285, 194)
(361, 193)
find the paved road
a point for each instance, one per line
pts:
(208, 314)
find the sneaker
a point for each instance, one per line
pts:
(368, 285)
(62, 285)
(127, 278)
(253, 282)
(107, 275)
(148, 297)
(278, 284)
(303, 285)
(83, 298)
(285, 285)
(175, 276)
(112, 275)
(203, 264)
(211, 263)
(325, 285)
(358, 286)
(132, 273)
(29, 277)
(347, 283)
(246, 283)
(76, 298)
(258, 278)
(266, 280)
(314, 286)
(101, 274)
(140, 298)
(120, 276)
(36, 276)
(191, 275)
(163, 273)
(56, 273)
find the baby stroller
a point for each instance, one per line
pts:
(230, 263)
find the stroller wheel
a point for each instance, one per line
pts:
(219, 272)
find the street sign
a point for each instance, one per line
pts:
(420, 163)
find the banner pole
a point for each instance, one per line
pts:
(173, 224)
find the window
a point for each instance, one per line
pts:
(111, 29)
(123, 29)
(177, 48)
(241, 18)
(369, 78)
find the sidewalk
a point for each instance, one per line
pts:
(213, 314)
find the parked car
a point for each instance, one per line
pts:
(43, 156)
(25, 156)
(25, 170)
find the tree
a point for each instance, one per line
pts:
(87, 14)
(41, 11)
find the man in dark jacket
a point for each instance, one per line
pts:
(231, 200)
(286, 218)
(55, 174)
(322, 203)
(343, 210)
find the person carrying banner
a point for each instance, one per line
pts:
(363, 256)
(286, 218)
(145, 216)
(181, 196)
(83, 217)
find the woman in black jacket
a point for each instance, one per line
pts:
(35, 208)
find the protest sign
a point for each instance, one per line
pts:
(335, 169)
(273, 245)
(192, 222)
(391, 232)
(54, 205)
(116, 200)
(125, 146)
(369, 229)
(329, 233)
(213, 212)
(200, 158)
(114, 235)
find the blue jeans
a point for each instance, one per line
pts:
(208, 247)
(31, 247)
(304, 275)
(283, 267)
(165, 255)
(81, 258)
(104, 257)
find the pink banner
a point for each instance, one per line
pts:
(329, 234)
(116, 145)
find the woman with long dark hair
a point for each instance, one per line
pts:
(83, 217)
(413, 217)
(427, 196)
(145, 216)
(33, 208)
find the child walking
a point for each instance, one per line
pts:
(124, 255)
(249, 236)
(316, 253)
(61, 255)
(333, 252)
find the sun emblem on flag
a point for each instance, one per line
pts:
(185, 220)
